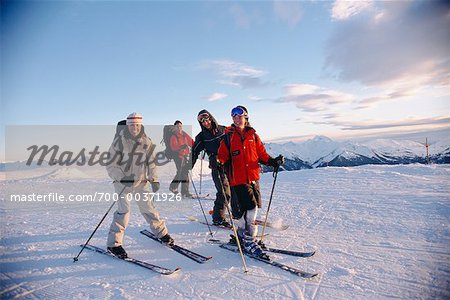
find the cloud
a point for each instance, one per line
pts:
(372, 101)
(235, 73)
(408, 122)
(255, 98)
(216, 97)
(244, 18)
(369, 125)
(344, 9)
(312, 98)
(289, 12)
(399, 46)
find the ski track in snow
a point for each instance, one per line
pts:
(380, 232)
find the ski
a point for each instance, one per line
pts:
(257, 222)
(154, 268)
(277, 250)
(207, 197)
(183, 251)
(289, 252)
(194, 219)
(274, 263)
(272, 225)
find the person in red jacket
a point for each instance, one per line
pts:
(240, 152)
(181, 143)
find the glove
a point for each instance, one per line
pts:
(213, 163)
(219, 166)
(127, 180)
(276, 162)
(155, 186)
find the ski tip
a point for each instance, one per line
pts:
(311, 276)
(175, 271)
(312, 253)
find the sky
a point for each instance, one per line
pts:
(302, 68)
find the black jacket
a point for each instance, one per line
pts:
(208, 140)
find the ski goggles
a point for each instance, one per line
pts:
(203, 117)
(238, 111)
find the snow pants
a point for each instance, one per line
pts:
(182, 175)
(122, 214)
(249, 200)
(219, 209)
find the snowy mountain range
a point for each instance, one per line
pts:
(322, 151)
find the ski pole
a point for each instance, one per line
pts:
(201, 171)
(270, 202)
(227, 205)
(107, 212)
(201, 206)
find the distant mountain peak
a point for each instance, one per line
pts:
(321, 138)
(322, 151)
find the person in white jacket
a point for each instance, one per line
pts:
(133, 170)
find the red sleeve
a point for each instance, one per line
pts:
(223, 154)
(261, 150)
(174, 143)
(189, 140)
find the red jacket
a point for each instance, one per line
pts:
(246, 151)
(181, 142)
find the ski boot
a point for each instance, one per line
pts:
(221, 223)
(118, 251)
(262, 245)
(167, 239)
(232, 240)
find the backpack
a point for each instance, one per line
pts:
(119, 127)
(167, 134)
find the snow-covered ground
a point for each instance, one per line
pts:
(380, 232)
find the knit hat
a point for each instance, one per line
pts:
(134, 118)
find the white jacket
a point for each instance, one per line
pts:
(132, 156)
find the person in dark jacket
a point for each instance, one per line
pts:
(209, 141)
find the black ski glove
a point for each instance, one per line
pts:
(276, 162)
(155, 186)
(127, 180)
(219, 166)
(213, 163)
